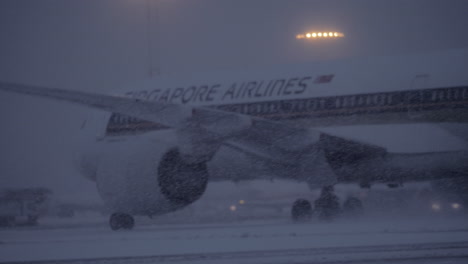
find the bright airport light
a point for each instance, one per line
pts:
(316, 35)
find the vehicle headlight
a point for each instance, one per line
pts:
(436, 207)
(455, 206)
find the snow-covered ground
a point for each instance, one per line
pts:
(438, 239)
(399, 227)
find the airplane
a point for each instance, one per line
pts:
(165, 140)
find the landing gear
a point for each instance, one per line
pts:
(327, 205)
(301, 210)
(352, 207)
(121, 221)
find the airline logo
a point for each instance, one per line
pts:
(237, 90)
(324, 78)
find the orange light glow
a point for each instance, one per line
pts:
(310, 35)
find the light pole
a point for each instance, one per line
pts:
(149, 26)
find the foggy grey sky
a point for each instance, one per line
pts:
(103, 44)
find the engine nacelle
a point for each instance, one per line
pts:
(352, 161)
(142, 176)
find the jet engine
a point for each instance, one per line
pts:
(353, 161)
(148, 177)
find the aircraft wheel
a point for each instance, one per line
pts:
(327, 205)
(353, 207)
(301, 210)
(121, 221)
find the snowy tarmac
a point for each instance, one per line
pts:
(420, 240)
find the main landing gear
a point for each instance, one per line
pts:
(353, 207)
(301, 210)
(326, 207)
(121, 221)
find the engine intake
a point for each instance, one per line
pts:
(135, 177)
(180, 182)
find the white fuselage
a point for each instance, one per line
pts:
(385, 90)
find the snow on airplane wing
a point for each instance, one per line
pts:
(222, 124)
(156, 112)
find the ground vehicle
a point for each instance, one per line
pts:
(22, 206)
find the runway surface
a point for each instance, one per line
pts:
(416, 240)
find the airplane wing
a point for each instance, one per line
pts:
(200, 130)
(171, 115)
(218, 123)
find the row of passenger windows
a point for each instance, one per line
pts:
(399, 99)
